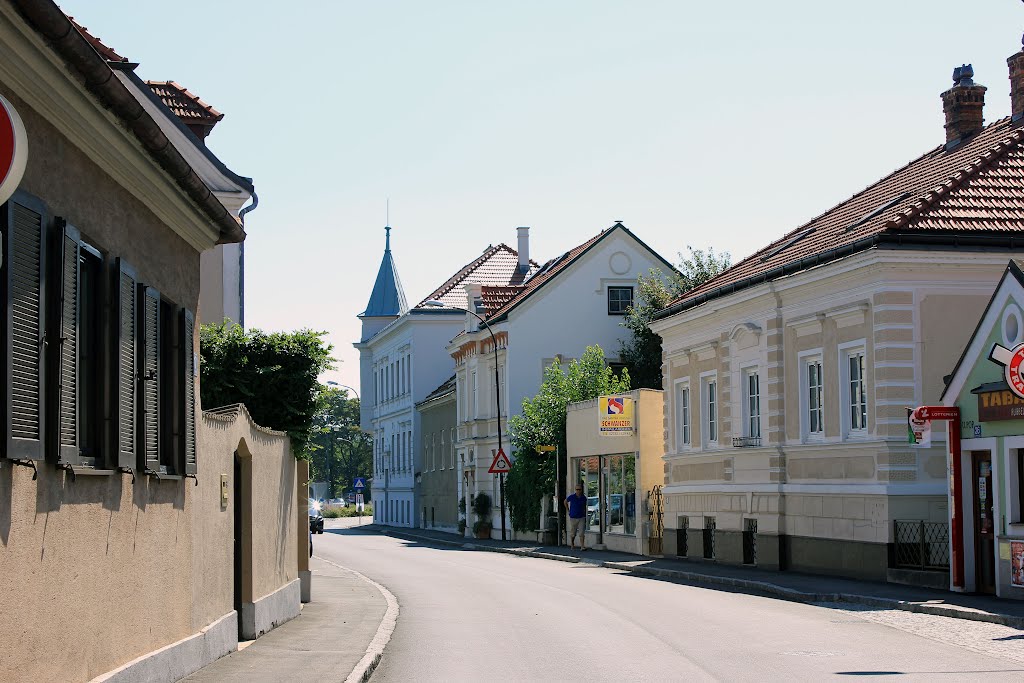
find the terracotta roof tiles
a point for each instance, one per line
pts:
(976, 186)
(496, 267)
(105, 51)
(184, 104)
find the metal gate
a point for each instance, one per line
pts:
(656, 520)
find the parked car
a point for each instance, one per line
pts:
(316, 520)
(593, 511)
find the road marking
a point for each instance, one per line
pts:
(375, 650)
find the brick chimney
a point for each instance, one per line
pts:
(963, 105)
(1016, 64)
(524, 249)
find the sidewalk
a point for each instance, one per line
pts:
(785, 585)
(324, 643)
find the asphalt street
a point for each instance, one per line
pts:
(473, 615)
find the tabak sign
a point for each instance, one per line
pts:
(919, 422)
(1012, 361)
(13, 149)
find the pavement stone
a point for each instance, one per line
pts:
(785, 585)
(324, 643)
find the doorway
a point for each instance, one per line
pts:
(984, 523)
(242, 509)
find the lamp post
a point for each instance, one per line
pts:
(497, 391)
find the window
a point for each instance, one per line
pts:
(619, 300)
(710, 411)
(752, 389)
(475, 410)
(857, 399)
(813, 393)
(682, 415)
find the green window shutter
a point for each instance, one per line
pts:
(150, 379)
(68, 444)
(127, 360)
(189, 369)
(24, 249)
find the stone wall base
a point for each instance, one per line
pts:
(271, 610)
(306, 584)
(178, 660)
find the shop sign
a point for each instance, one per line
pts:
(1012, 361)
(615, 414)
(13, 149)
(1017, 563)
(1001, 404)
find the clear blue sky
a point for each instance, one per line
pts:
(720, 124)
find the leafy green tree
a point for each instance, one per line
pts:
(655, 291)
(542, 423)
(338, 450)
(273, 374)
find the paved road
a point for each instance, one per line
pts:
(471, 615)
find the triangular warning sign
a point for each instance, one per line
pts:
(501, 464)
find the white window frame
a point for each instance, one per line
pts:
(476, 393)
(683, 415)
(847, 351)
(805, 360)
(708, 440)
(746, 373)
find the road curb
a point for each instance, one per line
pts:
(375, 650)
(772, 589)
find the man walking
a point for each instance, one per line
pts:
(576, 504)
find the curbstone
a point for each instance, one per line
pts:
(772, 589)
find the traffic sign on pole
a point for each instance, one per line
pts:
(501, 464)
(360, 483)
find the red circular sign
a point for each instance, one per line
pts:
(1013, 371)
(13, 149)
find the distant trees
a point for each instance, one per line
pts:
(338, 450)
(642, 351)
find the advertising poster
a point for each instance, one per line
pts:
(1017, 563)
(615, 414)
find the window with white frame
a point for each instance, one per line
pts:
(682, 415)
(855, 397)
(813, 390)
(710, 410)
(474, 410)
(752, 403)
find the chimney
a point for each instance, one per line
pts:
(1016, 64)
(524, 249)
(963, 104)
(474, 302)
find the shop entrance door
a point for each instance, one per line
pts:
(984, 524)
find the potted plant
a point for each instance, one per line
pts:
(481, 504)
(462, 526)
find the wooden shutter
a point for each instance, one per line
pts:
(189, 369)
(150, 379)
(24, 252)
(127, 373)
(68, 443)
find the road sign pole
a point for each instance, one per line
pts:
(501, 488)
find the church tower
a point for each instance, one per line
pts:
(387, 300)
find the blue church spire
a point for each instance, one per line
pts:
(387, 298)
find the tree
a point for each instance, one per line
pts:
(274, 375)
(542, 423)
(338, 450)
(655, 291)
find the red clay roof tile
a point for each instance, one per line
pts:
(184, 104)
(497, 266)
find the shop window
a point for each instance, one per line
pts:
(620, 299)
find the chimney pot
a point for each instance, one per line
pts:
(1016, 64)
(523, 234)
(963, 105)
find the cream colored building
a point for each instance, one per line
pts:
(787, 377)
(621, 473)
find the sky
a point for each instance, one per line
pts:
(711, 124)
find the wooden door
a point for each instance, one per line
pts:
(984, 523)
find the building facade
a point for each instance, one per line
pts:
(571, 302)
(788, 376)
(117, 495)
(438, 481)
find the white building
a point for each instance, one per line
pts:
(402, 359)
(573, 301)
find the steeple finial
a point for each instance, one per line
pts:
(387, 238)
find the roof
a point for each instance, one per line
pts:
(555, 266)
(387, 298)
(975, 187)
(444, 390)
(495, 297)
(498, 267)
(185, 105)
(104, 51)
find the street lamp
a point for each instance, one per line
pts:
(434, 303)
